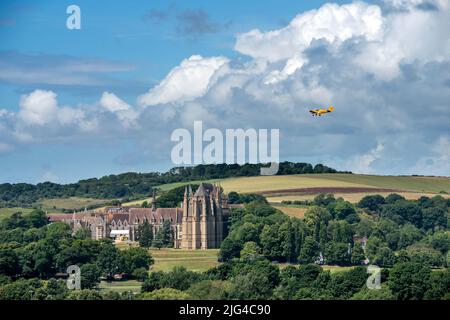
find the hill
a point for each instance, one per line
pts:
(351, 187)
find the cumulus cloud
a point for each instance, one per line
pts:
(185, 82)
(40, 108)
(125, 113)
(386, 73)
(331, 23)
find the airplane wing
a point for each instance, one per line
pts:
(313, 111)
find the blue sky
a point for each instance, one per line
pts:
(125, 49)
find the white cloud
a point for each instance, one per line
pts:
(439, 162)
(185, 82)
(331, 22)
(363, 163)
(38, 108)
(125, 113)
(288, 73)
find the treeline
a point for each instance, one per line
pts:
(33, 254)
(132, 185)
(381, 231)
(255, 278)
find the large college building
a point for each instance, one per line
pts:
(200, 222)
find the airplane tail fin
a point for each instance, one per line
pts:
(331, 109)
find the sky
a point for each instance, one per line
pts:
(105, 99)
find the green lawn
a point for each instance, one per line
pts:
(69, 203)
(194, 260)
(266, 183)
(6, 212)
(407, 183)
(120, 286)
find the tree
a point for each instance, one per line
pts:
(145, 235)
(233, 197)
(439, 287)
(393, 197)
(309, 252)
(409, 280)
(85, 294)
(164, 236)
(259, 208)
(164, 294)
(367, 294)
(90, 275)
(109, 260)
(22, 289)
(52, 290)
(250, 286)
(250, 251)
(402, 211)
(271, 242)
(358, 255)
(345, 284)
(134, 258)
(337, 253)
(342, 209)
(83, 233)
(385, 257)
(36, 219)
(9, 262)
(371, 202)
(229, 249)
(434, 218)
(209, 290)
(324, 199)
(140, 274)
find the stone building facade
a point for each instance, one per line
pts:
(199, 223)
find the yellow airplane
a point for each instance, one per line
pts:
(319, 112)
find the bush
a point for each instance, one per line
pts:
(164, 294)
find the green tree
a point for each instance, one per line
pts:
(145, 235)
(250, 251)
(309, 252)
(434, 218)
(85, 294)
(358, 255)
(140, 274)
(134, 258)
(165, 236)
(90, 275)
(371, 202)
(250, 286)
(409, 280)
(209, 290)
(337, 253)
(342, 209)
(229, 249)
(369, 294)
(109, 260)
(164, 294)
(36, 219)
(9, 262)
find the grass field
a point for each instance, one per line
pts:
(351, 197)
(194, 260)
(271, 183)
(70, 203)
(292, 211)
(6, 212)
(120, 286)
(407, 183)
